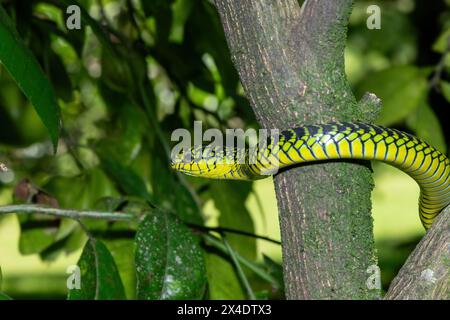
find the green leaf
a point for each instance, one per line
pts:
(27, 73)
(126, 128)
(445, 88)
(223, 282)
(116, 73)
(401, 89)
(213, 42)
(126, 179)
(275, 269)
(122, 250)
(442, 42)
(229, 198)
(169, 262)
(181, 11)
(237, 266)
(171, 194)
(4, 296)
(119, 238)
(85, 189)
(37, 233)
(100, 279)
(35, 237)
(427, 126)
(59, 77)
(156, 6)
(161, 11)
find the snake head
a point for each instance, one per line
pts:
(213, 162)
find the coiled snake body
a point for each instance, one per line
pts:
(428, 166)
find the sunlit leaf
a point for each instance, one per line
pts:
(213, 42)
(181, 11)
(4, 296)
(426, 125)
(229, 198)
(36, 233)
(122, 251)
(442, 42)
(119, 238)
(169, 262)
(1, 277)
(100, 278)
(222, 279)
(445, 88)
(27, 73)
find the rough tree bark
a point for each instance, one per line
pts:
(426, 273)
(291, 62)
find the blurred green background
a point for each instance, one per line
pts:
(175, 52)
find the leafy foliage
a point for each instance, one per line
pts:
(3, 296)
(101, 280)
(136, 71)
(169, 262)
(27, 73)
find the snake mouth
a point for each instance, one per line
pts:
(183, 167)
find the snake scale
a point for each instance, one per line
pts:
(427, 166)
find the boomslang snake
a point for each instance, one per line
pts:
(427, 166)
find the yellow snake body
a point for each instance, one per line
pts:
(428, 166)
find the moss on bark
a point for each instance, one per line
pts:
(291, 63)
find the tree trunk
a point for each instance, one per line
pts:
(291, 62)
(426, 273)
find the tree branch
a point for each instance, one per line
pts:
(291, 63)
(426, 272)
(66, 213)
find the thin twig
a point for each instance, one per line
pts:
(79, 214)
(218, 244)
(222, 230)
(66, 213)
(239, 270)
(435, 79)
(102, 13)
(69, 145)
(85, 230)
